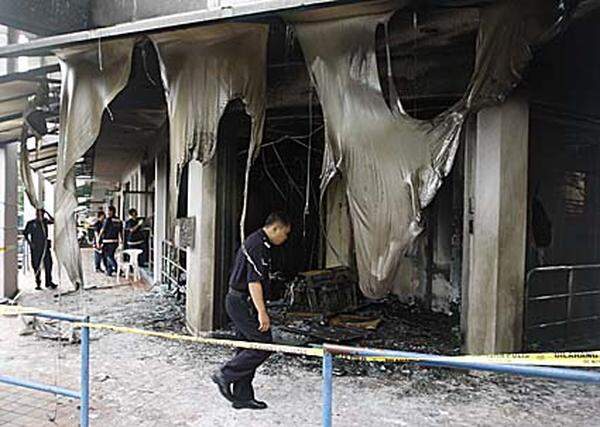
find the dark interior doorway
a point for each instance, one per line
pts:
(563, 299)
(278, 182)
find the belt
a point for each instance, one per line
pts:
(237, 293)
(110, 241)
(139, 242)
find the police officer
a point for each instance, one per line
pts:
(98, 252)
(134, 236)
(111, 235)
(245, 305)
(36, 235)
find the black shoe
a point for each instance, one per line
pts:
(99, 270)
(224, 386)
(38, 287)
(249, 404)
(51, 285)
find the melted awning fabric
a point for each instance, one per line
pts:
(19, 94)
(26, 173)
(392, 164)
(202, 70)
(92, 75)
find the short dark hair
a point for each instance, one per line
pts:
(278, 217)
(132, 211)
(101, 213)
(112, 209)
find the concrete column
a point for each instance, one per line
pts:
(49, 196)
(8, 220)
(497, 254)
(202, 204)
(3, 42)
(161, 191)
(142, 198)
(8, 199)
(41, 188)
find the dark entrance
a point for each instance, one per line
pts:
(279, 179)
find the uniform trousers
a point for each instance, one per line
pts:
(240, 370)
(109, 249)
(41, 252)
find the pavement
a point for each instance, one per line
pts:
(140, 381)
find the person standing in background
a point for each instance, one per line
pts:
(111, 235)
(134, 236)
(98, 251)
(36, 235)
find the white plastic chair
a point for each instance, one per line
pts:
(132, 264)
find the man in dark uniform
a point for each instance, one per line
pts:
(111, 235)
(245, 305)
(134, 236)
(36, 235)
(98, 252)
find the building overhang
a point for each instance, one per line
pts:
(242, 12)
(16, 89)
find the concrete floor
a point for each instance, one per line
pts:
(153, 382)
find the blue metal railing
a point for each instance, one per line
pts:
(84, 393)
(430, 360)
(329, 352)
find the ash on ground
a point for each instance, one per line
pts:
(402, 327)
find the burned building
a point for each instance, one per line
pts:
(431, 147)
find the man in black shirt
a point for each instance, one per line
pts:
(98, 251)
(134, 236)
(36, 235)
(245, 305)
(111, 235)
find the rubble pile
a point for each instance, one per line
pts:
(387, 323)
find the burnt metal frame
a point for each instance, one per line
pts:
(169, 265)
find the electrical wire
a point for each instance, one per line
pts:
(266, 169)
(287, 173)
(308, 164)
(145, 65)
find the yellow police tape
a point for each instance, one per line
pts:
(589, 359)
(277, 348)
(307, 351)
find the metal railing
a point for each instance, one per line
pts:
(330, 351)
(173, 270)
(568, 294)
(83, 394)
